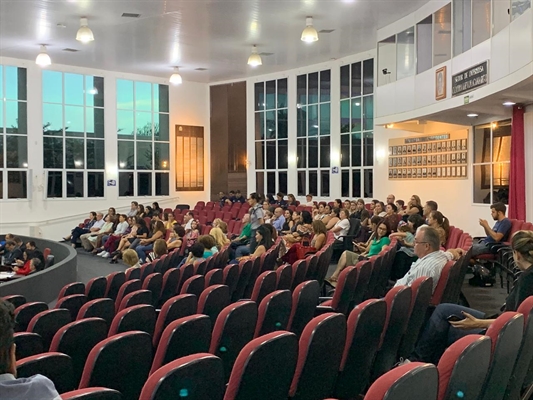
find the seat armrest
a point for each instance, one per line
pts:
(322, 299)
(322, 310)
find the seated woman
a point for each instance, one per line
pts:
(176, 237)
(160, 248)
(138, 232)
(319, 240)
(366, 228)
(158, 232)
(341, 228)
(239, 245)
(81, 230)
(264, 242)
(288, 220)
(110, 242)
(441, 224)
(302, 228)
(31, 264)
(333, 218)
(221, 240)
(131, 259)
(405, 255)
(379, 209)
(141, 213)
(210, 245)
(414, 206)
(294, 221)
(196, 255)
(320, 212)
(218, 223)
(191, 236)
(95, 240)
(439, 333)
(375, 245)
(391, 216)
(169, 220)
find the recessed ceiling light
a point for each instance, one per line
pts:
(472, 115)
(509, 103)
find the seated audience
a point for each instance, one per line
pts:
(499, 232)
(187, 221)
(431, 260)
(334, 217)
(414, 206)
(221, 240)
(31, 264)
(131, 259)
(438, 221)
(158, 232)
(291, 200)
(405, 255)
(9, 236)
(266, 206)
(110, 242)
(218, 223)
(293, 222)
(176, 237)
(268, 216)
(280, 202)
(12, 253)
(439, 333)
(11, 388)
(222, 199)
(210, 245)
(141, 213)
(390, 199)
(341, 228)
(428, 208)
(78, 231)
(36, 252)
(138, 232)
(309, 200)
(91, 240)
(379, 209)
(264, 241)
(196, 255)
(95, 229)
(278, 220)
(317, 242)
(391, 216)
(239, 198)
(319, 213)
(400, 204)
(156, 210)
(366, 228)
(301, 229)
(159, 249)
(288, 220)
(134, 209)
(192, 235)
(241, 242)
(169, 220)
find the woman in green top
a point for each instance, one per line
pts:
(380, 241)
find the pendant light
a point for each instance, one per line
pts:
(43, 59)
(176, 78)
(255, 59)
(84, 35)
(309, 34)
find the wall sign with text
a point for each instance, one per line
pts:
(443, 156)
(470, 79)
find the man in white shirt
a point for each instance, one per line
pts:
(93, 231)
(187, 221)
(11, 388)
(133, 209)
(431, 260)
(309, 200)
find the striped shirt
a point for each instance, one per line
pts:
(431, 266)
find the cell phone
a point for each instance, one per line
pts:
(454, 318)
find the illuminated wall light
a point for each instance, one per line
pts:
(164, 164)
(380, 154)
(78, 163)
(494, 125)
(122, 164)
(93, 91)
(389, 126)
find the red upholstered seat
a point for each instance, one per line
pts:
(213, 300)
(55, 366)
(183, 337)
(284, 277)
(304, 301)
(214, 277)
(136, 298)
(231, 277)
(71, 288)
(265, 365)
(344, 292)
(135, 318)
(245, 271)
(274, 312)
(73, 303)
(101, 308)
(25, 312)
(27, 344)
(170, 285)
(256, 271)
(48, 322)
(299, 270)
(96, 288)
(186, 271)
(319, 357)
(154, 283)
(128, 287)
(463, 368)
(442, 283)
(194, 285)
(264, 284)
(114, 281)
(94, 393)
(16, 300)
(186, 377)
(146, 270)
(174, 308)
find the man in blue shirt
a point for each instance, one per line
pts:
(499, 232)
(278, 220)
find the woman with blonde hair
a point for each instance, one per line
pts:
(131, 259)
(218, 223)
(219, 236)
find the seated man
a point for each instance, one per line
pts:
(12, 253)
(36, 252)
(431, 260)
(498, 234)
(9, 236)
(278, 220)
(35, 387)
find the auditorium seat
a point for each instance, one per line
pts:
(136, 318)
(214, 277)
(374, 277)
(245, 271)
(154, 283)
(264, 285)
(234, 328)
(127, 287)
(343, 295)
(146, 269)
(256, 271)
(100, 308)
(174, 308)
(186, 271)
(421, 290)
(436, 299)
(136, 298)
(113, 364)
(170, 285)
(73, 303)
(264, 368)
(320, 351)
(183, 337)
(311, 271)
(398, 304)
(96, 288)
(71, 288)
(274, 312)
(55, 366)
(185, 377)
(194, 285)
(200, 268)
(506, 333)
(364, 271)
(366, 323)
(304, 302)
(27, 344)
(284, 277)
(299, 270)
(77, 339)
(463, 368)
(16, 300)
(411, 381)
(231, 277)
(48, 322)
(93, 393)
(25, 313)
(114, 281)
(213, 300)
(133, 273)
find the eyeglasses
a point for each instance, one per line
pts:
(416, 242)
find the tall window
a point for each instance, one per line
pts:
(314, 133)
(73, 134)
(143, 138)
(357, 126)
(13, 133)
(271, 144)
(492, 162)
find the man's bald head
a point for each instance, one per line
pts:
(278, 212)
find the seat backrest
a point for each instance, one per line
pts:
(154, 283)
(146, 269)
(186, 271)
(410, 381)
(319, 357)
(234, 328)
(48, 322)
(274, 312)
(304, 302)
(265, 365)
(100, 308)
(27, 344)
(442, 283)
(174, 308)
(183, 337)
(71, 288)
(96, 288)
(245, 268)
(463, 368)
(256, 271)
(364, 272)
(506, 333)
(264, 284)
(311, 272)
(113, 364)
(170, 285)
(299, 270)
(97, 393)
(73, 303)
(214, 277)
(77, 339)
(366, 323)
(114, 281)
(194, 285)
(135, 318)
(55, 366)
(25, 313)
(136, 298)
(344, 290)
(213, 300)
(284, 277)
(127, 288)
(16, 300)
(231, 277)
(133, 273)
(374, 277)
(185, 377)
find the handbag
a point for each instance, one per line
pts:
(304, 249)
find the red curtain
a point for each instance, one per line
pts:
(517, 178)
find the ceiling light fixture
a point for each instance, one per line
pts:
(176, 78)
(471, 115)
(309, 34)
(255, 59)
(84, 35)
(43, 59)
(509, 103)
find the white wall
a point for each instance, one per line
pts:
(53, 218)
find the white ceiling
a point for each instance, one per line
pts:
(217, 34)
